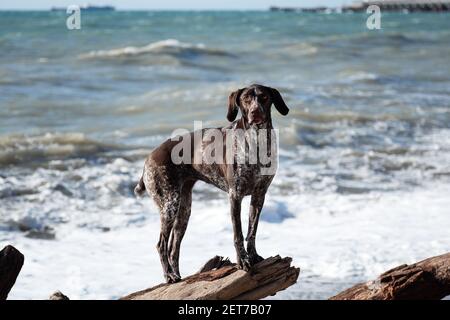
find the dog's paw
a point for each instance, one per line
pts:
(244, 263)
(172, 278)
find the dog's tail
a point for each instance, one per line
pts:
(140, 188)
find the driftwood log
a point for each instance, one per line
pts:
(425, 280)
(219, 279)
(11, 262)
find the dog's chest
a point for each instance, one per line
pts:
(249, 178)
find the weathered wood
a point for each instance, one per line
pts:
(58, 295)
(215, 263)
(221, 280)
(425, 280)
(11, 262)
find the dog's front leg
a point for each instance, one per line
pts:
(256, 205)
(242, 256)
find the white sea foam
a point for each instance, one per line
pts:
(19, 148)
(169, 46)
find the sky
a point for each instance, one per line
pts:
(171, 4)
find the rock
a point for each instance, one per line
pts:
(46, 234)
(11, 262)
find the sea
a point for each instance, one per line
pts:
(363, 183)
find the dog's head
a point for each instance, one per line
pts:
(255, 104)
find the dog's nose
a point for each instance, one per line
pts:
(256, 116)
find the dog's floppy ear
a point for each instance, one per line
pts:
(278, 102)
(233, 104)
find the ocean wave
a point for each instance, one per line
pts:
(165, 47)
(364, 40)
(21, 149)
(359, 76)
(300, 49)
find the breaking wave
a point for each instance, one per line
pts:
(165, 47)
(23, 149)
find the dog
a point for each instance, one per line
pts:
(170, 184)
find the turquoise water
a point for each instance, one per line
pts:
(325, 63)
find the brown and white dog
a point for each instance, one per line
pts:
(170, 184)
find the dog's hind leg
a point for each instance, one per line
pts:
(167, 195)
(169, 212)
(180, 226)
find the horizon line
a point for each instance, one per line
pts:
(149, 9)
